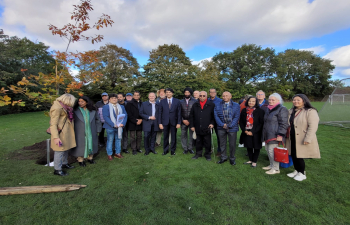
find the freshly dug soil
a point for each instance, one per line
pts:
(38, 153)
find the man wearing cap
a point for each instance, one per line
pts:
(186, 106)
(128, 97)
(99, 105)
(169, 120)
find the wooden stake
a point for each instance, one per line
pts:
(39, 189)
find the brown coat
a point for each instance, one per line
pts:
(305, 124)
(58, 116)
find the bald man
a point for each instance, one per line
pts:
(226, 115)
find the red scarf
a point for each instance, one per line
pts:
(250, 119)
(69, 111)
(202, 103)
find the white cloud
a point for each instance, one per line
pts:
(143, 25)
(341, 59)
(200, 62)
(317, 49)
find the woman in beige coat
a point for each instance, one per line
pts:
(302, 141)
(62, 132)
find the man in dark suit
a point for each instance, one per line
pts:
(150, 125)
(169, 119)
(202, 121)
(134, 122)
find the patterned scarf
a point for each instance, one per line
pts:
(228, 113)
(250, 118)
(69, 111)
(88, 135)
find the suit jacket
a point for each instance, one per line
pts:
(200, 118)
(145, 113)
(106, 116)
(170, 116)
(133, 110)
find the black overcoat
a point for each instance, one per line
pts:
(132, 109)
(258, 124)
(200, 118)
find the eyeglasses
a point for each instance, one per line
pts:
(202, 96)
(261, 94)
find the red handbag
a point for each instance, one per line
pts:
(281, 154)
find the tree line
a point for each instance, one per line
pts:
(245, 70)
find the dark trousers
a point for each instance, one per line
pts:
(150, 140)
(135, 139)
(203, 141)
(169, 128)
(125, 139)
(232, 137)
(299, 164)
(217, 138)
(101, 136)
(253, 154)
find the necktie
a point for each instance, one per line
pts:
(169, 104)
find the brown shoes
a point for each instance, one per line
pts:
(119, 156)
(110, 158)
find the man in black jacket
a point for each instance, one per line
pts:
(202, 121)
(134, 122)
(99, 105)
(186, 106)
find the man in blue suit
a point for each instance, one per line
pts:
(112, 126)
(150, 125)
(169, 119)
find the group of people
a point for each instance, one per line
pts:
(79, 126)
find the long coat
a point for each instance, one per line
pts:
(79, 129)
(200, 118)
(305, 125)
(58, 116)
(170, 116)
(145, 113)
(275, 123)
(132, 108)
(258, 123)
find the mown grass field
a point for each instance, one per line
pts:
(158, 189)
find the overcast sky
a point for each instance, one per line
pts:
(201, 27)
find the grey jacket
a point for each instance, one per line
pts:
(275, 123)
(79, 129)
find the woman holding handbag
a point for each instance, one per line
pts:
(274, 130)
(251, 122)
(87, 124)
(302, 141)
(62, 132)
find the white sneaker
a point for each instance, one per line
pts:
(293, 174)
(241, 145)
(300, 177)
(267, 168)
(272, 171)
(263, 144)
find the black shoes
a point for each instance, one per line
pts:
(173, 153)
(164, 153)
(83, 164)
(134, 152)
(196, 157)
(154, 152)
(67, 166)
(233, 162)
(60, 173)
(222, 161)
(140, 151)
(126, 151)
(208, 159)
(191, 151)
(146, 153)
(184, 152)
(101, 145)
(91, 161)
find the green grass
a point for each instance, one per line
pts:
(121, 191)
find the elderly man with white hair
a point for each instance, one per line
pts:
(275, 129)
(260, 95)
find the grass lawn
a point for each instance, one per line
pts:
(158, 189)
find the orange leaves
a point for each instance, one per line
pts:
(80, 14)
(24, 81)
(23, 70)
(3, 91)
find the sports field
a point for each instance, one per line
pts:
(158, 189)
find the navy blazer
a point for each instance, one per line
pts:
(106, 116)
(170, 116)
(145, 113)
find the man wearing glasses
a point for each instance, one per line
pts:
(202, 121)
(260, 95)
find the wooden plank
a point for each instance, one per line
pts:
(39, 189)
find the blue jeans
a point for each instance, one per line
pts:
(113, 135)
